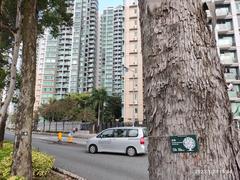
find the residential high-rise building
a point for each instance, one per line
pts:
(84, 46)
(133, 77)
(46, 69)
(63, 58)
(111, 49)
(67, 64)
(228, 42)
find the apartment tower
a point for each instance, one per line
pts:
(133, 74)
(111, 49)
(67, 64)
(228, 42)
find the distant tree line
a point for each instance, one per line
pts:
(95, 107)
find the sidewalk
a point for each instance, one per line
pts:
(80, 134)
(78, 138)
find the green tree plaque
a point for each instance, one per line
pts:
(184, 144)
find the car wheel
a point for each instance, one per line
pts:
(131, 151)
(92, 149)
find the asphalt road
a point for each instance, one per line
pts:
(98, 166)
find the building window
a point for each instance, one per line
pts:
(136, 110)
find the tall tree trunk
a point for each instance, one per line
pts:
(99, 117)
(56, 126)
(44, 124)
(1, 12)
(10, 91)
(2, 130)
(22, 159)
(1, 91)
(49, 125)
(185, 93)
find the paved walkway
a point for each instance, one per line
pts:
(78, 138)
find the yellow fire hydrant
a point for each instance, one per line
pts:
(70, 137)
(60, 136)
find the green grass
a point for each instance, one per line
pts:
(6, 150)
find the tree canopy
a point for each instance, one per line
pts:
(83, 107)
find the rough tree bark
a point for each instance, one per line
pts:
(44, 124)
(185, 93)
(22, 159)
(15, 54)
(2, 130)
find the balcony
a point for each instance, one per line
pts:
(234, 96)
(226, 27)
(228, 59)
(232, 78)
(223, 12)
(226, 43)
(62, 80)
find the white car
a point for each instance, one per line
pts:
(129, 140)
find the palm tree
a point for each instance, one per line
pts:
(99, 96)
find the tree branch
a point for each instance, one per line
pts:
(2, 25)
(6, 27)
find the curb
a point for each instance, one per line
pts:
(68, 173)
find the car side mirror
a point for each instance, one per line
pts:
(100, 136)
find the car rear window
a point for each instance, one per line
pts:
(145, 132)
(132, 133)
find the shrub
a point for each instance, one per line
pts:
(42, 165)
(16, 178)
(5, 167)
(6, 150)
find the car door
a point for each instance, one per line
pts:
(105, 140)
(119, 141)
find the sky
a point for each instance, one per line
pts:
(106, 3)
